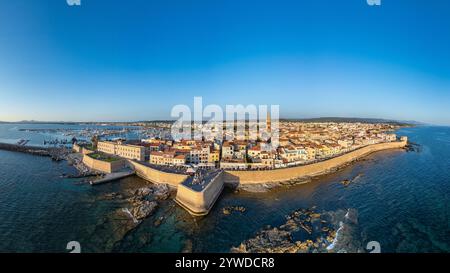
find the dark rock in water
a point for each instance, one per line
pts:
(143, 201)
(412, 147)
(112, 230)
(142, 192)
(158, 221)
(161, 191)
(112, 196)
(154, 192)
(188, 246)
(305, 230)
(142, 204)
(141, 210)
(144, 238)
(228, 210)
(267, 241)
(240, 209)
(345, 182)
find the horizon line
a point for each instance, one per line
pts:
(172, 120)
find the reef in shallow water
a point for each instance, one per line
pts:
(307, 231)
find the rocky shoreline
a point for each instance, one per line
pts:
(140, 203)
(144, 201)
(412, 147)
(266, 187)
(306, 231)
(133, 207)
(230, 209)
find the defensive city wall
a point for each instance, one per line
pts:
(154, 175)
(266, 176)
(278, 175)
(199, 201)
(103, 166)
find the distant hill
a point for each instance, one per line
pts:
(46, 122)
(354, 120)
(154, 121)
(320, 119)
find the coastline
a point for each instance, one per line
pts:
(277, 176)
(241, 179)
(396, 174)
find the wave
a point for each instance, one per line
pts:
(348, 235)
(338, 233)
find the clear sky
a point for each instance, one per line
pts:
(135, 59)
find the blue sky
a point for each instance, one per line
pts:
(134, 60)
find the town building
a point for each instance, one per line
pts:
(128, 151)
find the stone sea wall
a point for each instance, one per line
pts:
(279, 175)
(200, 202)
(79, 149)
(154, 175)
(103, 166)
(267, 176)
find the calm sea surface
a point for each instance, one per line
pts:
(402, 201)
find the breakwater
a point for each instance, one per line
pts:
(315, 169)
(53, 152)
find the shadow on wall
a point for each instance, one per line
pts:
(231, 179)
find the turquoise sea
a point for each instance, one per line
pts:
(402, 201)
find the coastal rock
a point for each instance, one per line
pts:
(347, 182)
(412, 147)
(142, 192)
(267, 241)
(153, 192)
(161, 191)
(257, 188)
(143, 201)
(112, 196)
(265, 187)
(188, 246)
(305, 231)
(158, 221)
(228, 210)
(141, 210)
